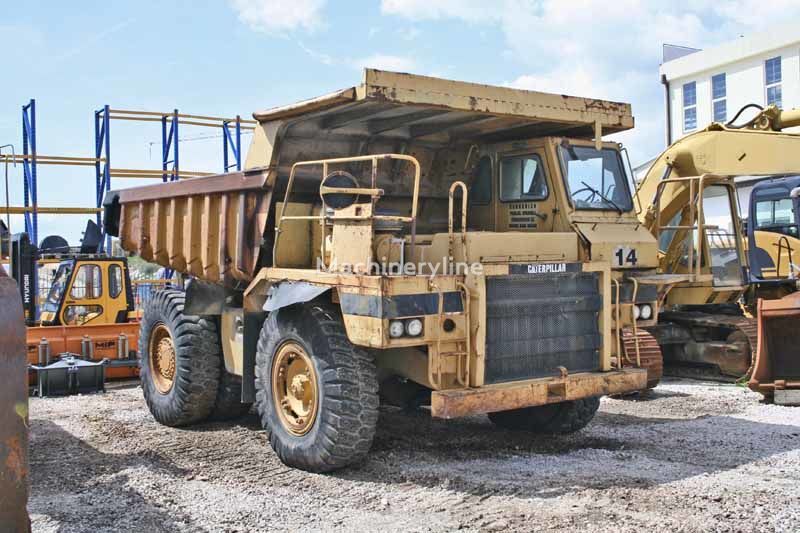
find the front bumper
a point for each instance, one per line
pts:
(506, 396)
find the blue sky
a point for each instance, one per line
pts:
(226, 58)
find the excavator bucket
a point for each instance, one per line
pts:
(776, 371)
(13, 410)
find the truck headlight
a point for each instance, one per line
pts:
(396, 329)
(646, 312)
(636, 312)
(414, 327)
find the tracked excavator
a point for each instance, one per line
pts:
(688, 202)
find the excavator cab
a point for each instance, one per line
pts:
(90, 290)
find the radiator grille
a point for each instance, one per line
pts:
(535, 324)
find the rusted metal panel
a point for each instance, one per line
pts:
(210, 227)
(777, 365)
(470, 105)
(13, 411)
(507, 396)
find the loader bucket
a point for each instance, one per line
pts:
(776, 370)
(13, 410)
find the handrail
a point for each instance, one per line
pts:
(323, 216)
(783, 239)
(697, 185)
(450, 224)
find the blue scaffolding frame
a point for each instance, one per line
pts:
(232, 129)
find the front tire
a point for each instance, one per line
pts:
(317, 393)
(556, 418)
(179, 357)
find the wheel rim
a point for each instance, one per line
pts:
(294, 388)
(162, 358)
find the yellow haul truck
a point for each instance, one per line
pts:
(478, 243)
(693, 213)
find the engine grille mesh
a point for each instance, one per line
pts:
(538, 323)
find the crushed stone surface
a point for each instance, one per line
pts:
(688, 456)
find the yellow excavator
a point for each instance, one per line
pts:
(688, 201)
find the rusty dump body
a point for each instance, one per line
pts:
(13, 411)
(406, 170)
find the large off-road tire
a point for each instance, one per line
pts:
(180, 361)
(316, 393)
(556, 418)
(228, 405)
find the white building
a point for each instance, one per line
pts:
(705, 86)
(712, 85)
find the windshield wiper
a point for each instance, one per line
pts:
(603, 196)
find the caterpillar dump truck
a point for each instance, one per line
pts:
(475, 243)
(693, 212)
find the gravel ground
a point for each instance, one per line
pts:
(690, 456)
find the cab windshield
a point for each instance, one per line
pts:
(58, 287)
(595, 178)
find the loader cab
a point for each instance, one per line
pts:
(773, 234)
(88, 291)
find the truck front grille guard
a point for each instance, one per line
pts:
(374, 193)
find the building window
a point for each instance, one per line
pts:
(772, 81)
(689, 106)
(718, 98)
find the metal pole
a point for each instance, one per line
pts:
(176, 164)
(8, 197)
(164, 148)
(238, 143)
(225, 146)
(106, 168)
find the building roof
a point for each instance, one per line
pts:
(776, 37)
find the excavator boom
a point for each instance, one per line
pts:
(692, 209)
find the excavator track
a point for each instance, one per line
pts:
(724, 345)
(650, 357)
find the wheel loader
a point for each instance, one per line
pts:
(693, 212)
(470, 248)
(88, 310)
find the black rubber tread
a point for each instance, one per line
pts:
(347, 380)
(228, 405)
(198, 360)
(557, 418)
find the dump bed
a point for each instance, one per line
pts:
(217, 227)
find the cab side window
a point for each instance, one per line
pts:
(480, 192)
(522, 178)
(87, 283)
(114, 280)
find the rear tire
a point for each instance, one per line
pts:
(179, 357)
(557, 418)
(317, 393)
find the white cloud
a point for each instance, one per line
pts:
(386, 62)
(280, 16)
(601, 49)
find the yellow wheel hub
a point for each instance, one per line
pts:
(294, 388)
(162, 358)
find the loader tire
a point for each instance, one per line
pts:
(316, 393)
(228, 405)
(180, 361)
(557, 418)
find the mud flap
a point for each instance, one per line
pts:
(776, 369)
(13, 410)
